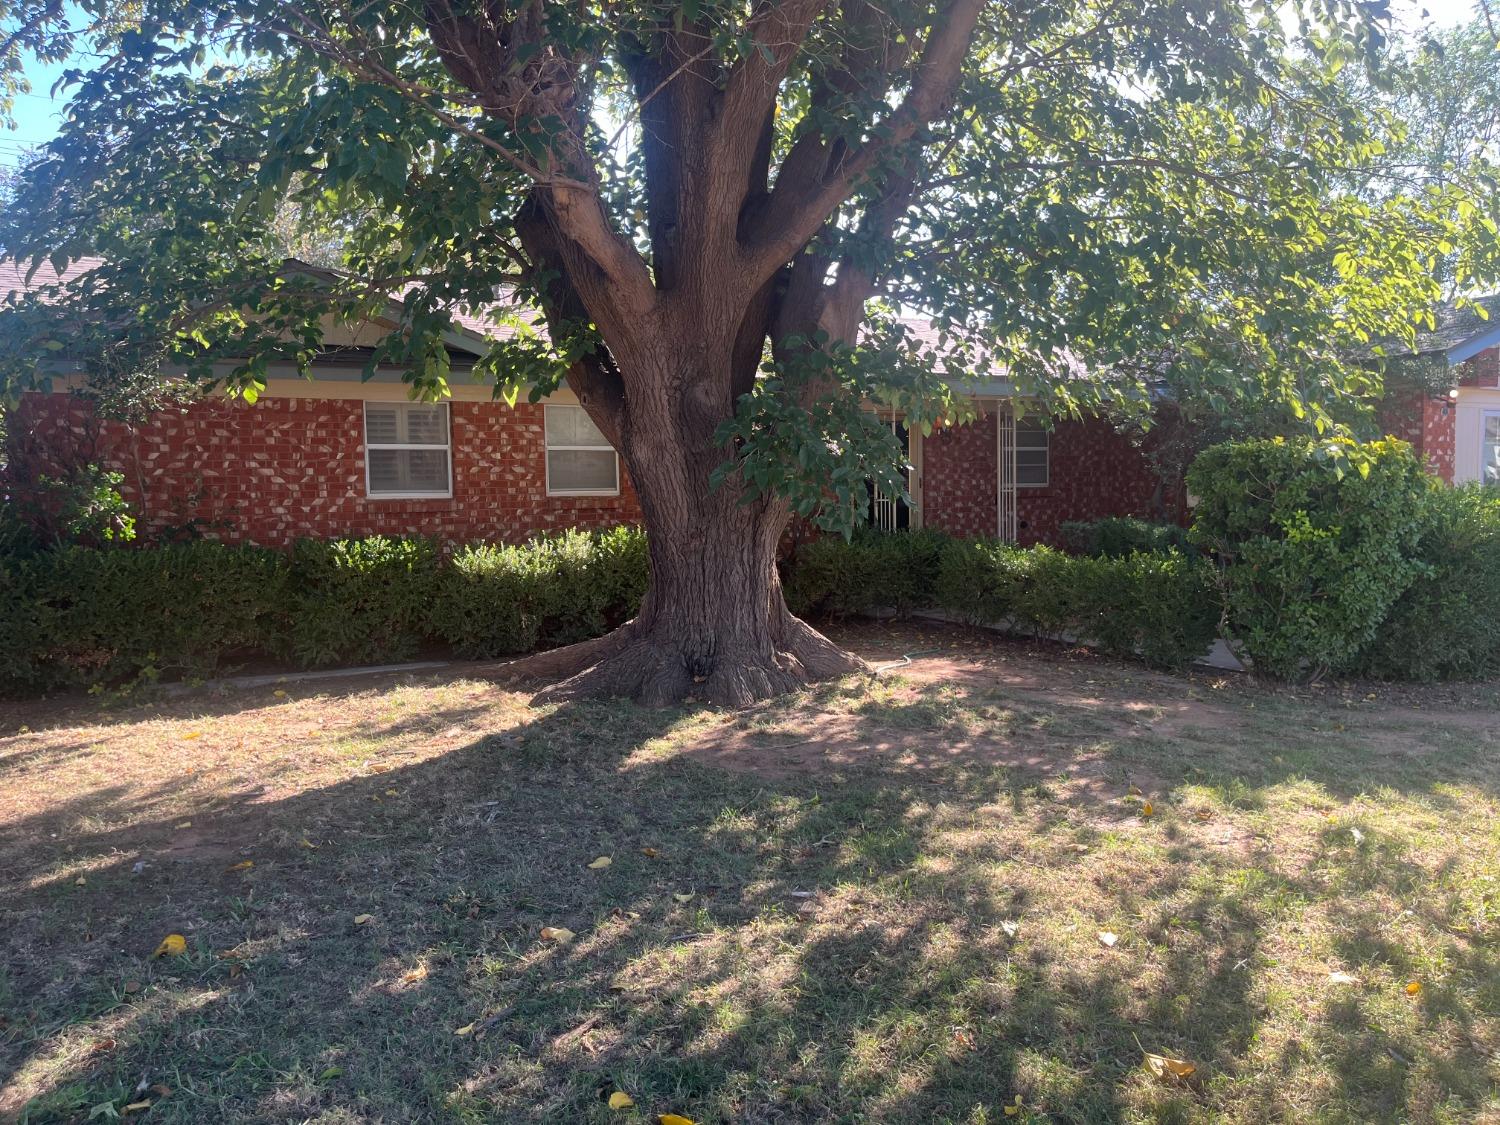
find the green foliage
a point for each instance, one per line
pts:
(500, 600)
(81, 617)
(1446, 625)
(873, 570)
(1117, 536)
(357, 601)
(1159, 607)
(81, 507)
(1315, 544)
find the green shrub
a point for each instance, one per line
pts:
(499, 600)
(81, 616)
(873, 570)
(1117, 536)
(357, 601)
(1315, 544)
(1446, 625)
(1160, 607)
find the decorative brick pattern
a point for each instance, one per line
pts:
(1094, 472)
(1428, 422)
(287, 468)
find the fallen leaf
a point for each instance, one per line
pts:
(1134, 791)
(1010, 928)
(684, 897)
(131, 987)
(393, 792)
(161, 1089)
(308, 844)
(601, 863)
(184, 824)
(673, 1119)
(1413, 987)
(192, 734)
(411, 976)
(380, 768)
(138, 1107)
(1014, 1107)
(1163, 1066)
(279, 693)
(467, 1029)
(363, 919)
(1148, 809)
(1108, 939)
(242, 865)
(557, 933)
(1203, 814)
(171, 946)
(650, 853)
(1338, 976)
(620, 1100)
(331, 1072)
(105, 1109)
(1357, 836)
(80, 881)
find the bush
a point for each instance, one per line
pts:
(1315, 544)
(1444, 625)
(357, 601)
(1117, 536)
(80, 616)
(1159, 607)
(498, 600)
(871, 571)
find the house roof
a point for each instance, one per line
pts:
(1462, 333)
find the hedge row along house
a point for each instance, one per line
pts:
(340, 454)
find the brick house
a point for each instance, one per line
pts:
(339, 455)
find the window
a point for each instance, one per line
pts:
(1489, 457)
(406, 449)
(1032, 440)
(579, 461)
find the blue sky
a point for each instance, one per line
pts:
(37, 114)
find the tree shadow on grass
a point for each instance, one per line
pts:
(799, 948)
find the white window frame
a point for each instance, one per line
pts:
(548, 448)
(1484, 421)
(1045, 447)
(446, 447)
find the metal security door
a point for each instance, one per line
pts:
(1005, 472)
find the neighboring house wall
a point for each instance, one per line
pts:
(291, 467)
(1478, 404)
(1427, 422)
(1093, 471)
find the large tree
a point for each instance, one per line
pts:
(717, 206)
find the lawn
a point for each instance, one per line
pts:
(992, 874)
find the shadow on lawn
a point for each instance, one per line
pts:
(892, 994)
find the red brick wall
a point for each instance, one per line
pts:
(1428, 422)
(286, 468)
(1094, 471)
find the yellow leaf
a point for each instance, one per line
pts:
(1164, 1066)
(242, 865)
(687, 897)
(620, 1100)
(557, 933)
(673, 1119)
(601, 863)
(1108, 939)
(650, 853)
(1014, 1107)
(363, 919)
(393, 792)
(1134, 791)
(308, 844)
(171, 946)
(411, 976)
(1148, 809)
(279, 694)
(137, 1107)
(192, 734)
(1413, 987)
(467, 1029)
(184, 824)
(380, 769)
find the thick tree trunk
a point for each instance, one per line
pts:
(713, 625)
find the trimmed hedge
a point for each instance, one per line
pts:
(1315, 543)
(1446, 625)
(497, 600)
(871, 571)
(1117, 536)
(81, 617)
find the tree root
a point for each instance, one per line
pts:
(632, 663)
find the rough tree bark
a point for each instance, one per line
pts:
(733, 266)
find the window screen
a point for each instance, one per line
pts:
(579, 460)
(407, 450)
(1032, 444)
